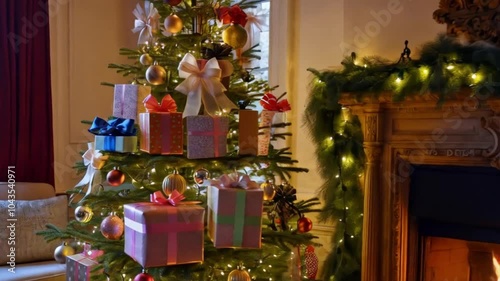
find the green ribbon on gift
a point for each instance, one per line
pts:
(242, 220)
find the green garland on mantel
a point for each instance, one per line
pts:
(445, 67)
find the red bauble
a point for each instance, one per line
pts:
(304, 225)
(115, 177)
(173, 2)
(143, 277)
(112, 227)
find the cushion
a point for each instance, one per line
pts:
(39, 271)
(31, 216)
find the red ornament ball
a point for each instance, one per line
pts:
(173, 2)
(115, 177)
(304, 225)
(143, 277)
(112, 227)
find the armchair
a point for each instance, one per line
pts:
(36, 204)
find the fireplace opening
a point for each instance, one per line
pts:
(457, 214)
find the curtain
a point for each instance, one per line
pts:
(26, 141)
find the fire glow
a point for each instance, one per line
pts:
(496, 266)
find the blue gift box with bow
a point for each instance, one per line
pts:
(114, 135)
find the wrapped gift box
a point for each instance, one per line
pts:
(264, 139)
(248, 130)
(234, 217)
(127, 101)
(79, 266)
(159, 235)
(161, 133)
(116, 143)
(206, 136)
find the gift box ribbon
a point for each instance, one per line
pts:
(271, 103)
(238, 220)
(114, 127)
(202, 85)
(167, 104)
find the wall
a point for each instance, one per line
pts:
(85, 37)
(320, 33)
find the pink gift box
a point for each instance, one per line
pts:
(206, 136)
(159, 235)
(161, 133)
(234, 217)
(79, 266)
(127, 101)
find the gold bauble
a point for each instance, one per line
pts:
(268, 189)
(156, 75)
(235, 36)
(146, 59)
(173, 23)
(238, 275)
(83, 214)
(62, 251)
(112, 227)
(174, 182)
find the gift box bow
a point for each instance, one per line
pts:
(271, 103)
(94, 160)
(114, 127)
(237, 180)
(202, 85)
(146, 22)
(173, 200)
(167, 104)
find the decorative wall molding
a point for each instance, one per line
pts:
(492, 125)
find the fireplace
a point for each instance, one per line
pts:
(457, 215)
(403, 140)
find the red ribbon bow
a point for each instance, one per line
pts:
(271, 103)
(173, 199)
(167, 104)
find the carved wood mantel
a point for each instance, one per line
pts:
(464, 131)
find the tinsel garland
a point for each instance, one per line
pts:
(445, 67)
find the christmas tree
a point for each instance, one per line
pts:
(191, 109)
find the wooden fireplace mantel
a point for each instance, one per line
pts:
(463, 131)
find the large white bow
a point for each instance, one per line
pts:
(202, 85)
(146, 22)
(94, 160)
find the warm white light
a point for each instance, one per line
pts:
(337, 176)
(365, 66)
(343, 158)
(153, 170)
(398, 80)
(450, 67)
(496, 266)
(474, 76)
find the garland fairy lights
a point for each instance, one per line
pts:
(445, 67)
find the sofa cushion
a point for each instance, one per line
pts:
(46, 271)
(31, 216)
